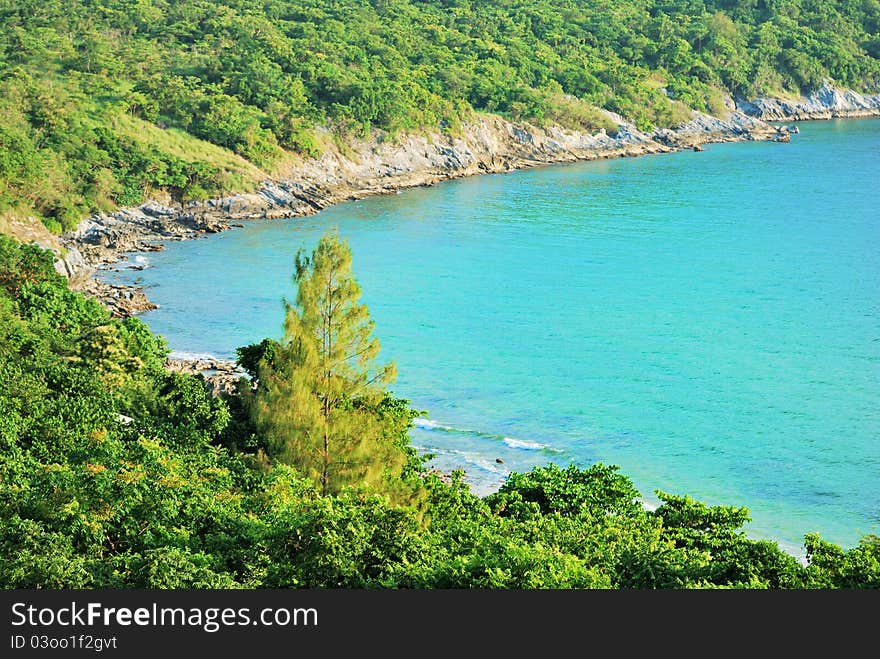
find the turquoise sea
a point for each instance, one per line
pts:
(708, 321)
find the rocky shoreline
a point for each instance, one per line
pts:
(488, 144)
(221, 376)
(827, 102)
(370, 167)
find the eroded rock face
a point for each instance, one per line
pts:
(704, 128)
(827, 102)
(70, 263)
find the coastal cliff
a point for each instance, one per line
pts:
(827, 102)
(488, 144)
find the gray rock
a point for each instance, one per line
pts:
(827, 102)
(71, 263)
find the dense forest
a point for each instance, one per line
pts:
(115, 473)
(104, 103)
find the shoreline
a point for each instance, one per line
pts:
(789, 548)
(378, 166)
(825, 103)
(368, 168)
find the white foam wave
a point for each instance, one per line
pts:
(192, 356)
(511, 442)
(489, 467)
(430, 424)
(142, 260)
(524, 444)
(453, 458)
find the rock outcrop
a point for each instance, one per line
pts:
(704, 128)
(827, 102)
(221, 377)
(122, 301)
(69, 262)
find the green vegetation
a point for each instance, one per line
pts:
(108, 103)
(117, 474)
(319, 393)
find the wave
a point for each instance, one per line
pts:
(428, 424)
(453, 458)
(521, 444)
(193, 356)
(525, 445)
(137, 263)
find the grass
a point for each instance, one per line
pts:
(573, 113)
(237, 174)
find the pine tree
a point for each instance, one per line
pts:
(318, 394)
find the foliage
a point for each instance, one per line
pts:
(831, 567)
(317, 399)
(107, 104)
(598, 491)
(116, 474)
(25, 264)
(250, 357)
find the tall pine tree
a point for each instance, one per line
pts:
(317, 397)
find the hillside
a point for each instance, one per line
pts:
(115, 473)
(107, 104)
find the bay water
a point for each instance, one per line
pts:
(710, 322)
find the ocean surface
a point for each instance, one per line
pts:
(710, 322)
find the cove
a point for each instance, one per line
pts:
(710, 322)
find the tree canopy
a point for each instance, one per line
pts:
(318, 394)
(105, 104)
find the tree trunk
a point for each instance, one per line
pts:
(328, 344)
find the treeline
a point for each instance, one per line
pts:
(117, 474)
(106, 103)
